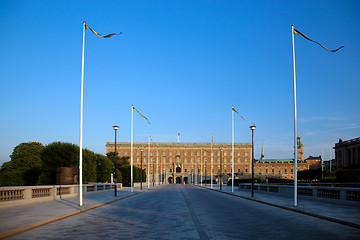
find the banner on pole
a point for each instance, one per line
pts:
(242, 116)
(306, 37)
(141, 115)
(106, 36)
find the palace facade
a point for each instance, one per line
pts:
(193, 162)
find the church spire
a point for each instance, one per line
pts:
(262, 152)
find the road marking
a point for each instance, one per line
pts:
(195, 219)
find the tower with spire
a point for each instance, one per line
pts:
(300, 152)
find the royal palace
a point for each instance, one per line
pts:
(195, 162)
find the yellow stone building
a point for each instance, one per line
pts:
(193, 163)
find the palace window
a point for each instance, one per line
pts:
(239, 154)
(138, 153)
(170, 153)
(224, 153)
(246, 154)
(185, 153)
(164, 154)
(192, 153)
(204, 153)
(238, 160)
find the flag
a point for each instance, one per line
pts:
(141, 115)
(106, 36)
(242, 116)
(178, 133)
(306, 37)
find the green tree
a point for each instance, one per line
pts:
(24, 167)
(104, 168)
(54, 155)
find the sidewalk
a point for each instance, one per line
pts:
(327, 209)
(16, 219)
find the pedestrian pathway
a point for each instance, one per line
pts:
(21, 218)
(14, 220)
(347, 212)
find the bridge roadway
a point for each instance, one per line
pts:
(168, 212)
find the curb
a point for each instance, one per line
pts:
(346, 223)
(55, 219)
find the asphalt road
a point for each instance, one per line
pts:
(189, 212)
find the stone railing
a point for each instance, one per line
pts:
(336, 193)
(15, 196)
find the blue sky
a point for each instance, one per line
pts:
(183, 64)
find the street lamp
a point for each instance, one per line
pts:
(115, 128)
(252, 161)
(205, 172)
(141, 170)
(220, 169)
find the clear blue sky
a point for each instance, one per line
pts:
(183, 64)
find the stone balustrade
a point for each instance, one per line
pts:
(336, 193)
(15, 196)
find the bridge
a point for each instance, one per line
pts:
(182, 212)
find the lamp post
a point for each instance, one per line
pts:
(205, 172)
(141, 170)
(252, 161)
(220, 169)
(115, 128)
(153, 172)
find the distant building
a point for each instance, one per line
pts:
(187, 162)
(280, 168)
(347, 153)
(314, 162)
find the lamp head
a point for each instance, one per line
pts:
(116, 127)
(252, 127)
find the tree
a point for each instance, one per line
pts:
(54, 155)
(24, 167)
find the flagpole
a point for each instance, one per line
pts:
(232, 171)
(201, 168)
(295, 121)
(148, 169)
(81, 117)
(212, 159)
(132, 147)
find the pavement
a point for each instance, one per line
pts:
(343, 212)
(22, 219)
(18, 219)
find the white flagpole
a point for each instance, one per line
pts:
(201, 168)
(212, 159)
(132, 147)
(148, 174)
(178, 138)
(295, 122)
(81, 117)
(232, 161)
